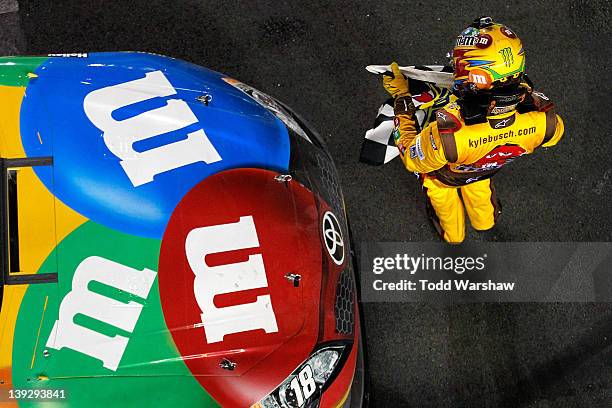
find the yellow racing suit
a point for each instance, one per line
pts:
(449, 155)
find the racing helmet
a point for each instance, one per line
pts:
(489, 65)
(486, 56)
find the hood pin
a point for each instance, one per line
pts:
(227, 364)
(283, 178)
(205, 98)
(294, 278)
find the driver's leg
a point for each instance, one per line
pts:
(481, 204)
(448, 217)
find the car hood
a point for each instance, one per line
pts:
(232, 232)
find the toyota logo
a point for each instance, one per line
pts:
(332, 236)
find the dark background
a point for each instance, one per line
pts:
(312, 55)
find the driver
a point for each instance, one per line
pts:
(493, 117)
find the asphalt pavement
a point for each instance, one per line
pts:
(312, 55)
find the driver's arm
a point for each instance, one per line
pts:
(422, 152)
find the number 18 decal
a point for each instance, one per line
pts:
(303, 385)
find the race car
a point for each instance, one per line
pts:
(170, 236)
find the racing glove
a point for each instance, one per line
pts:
(396, 85)
(419, 152)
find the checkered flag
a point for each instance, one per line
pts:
(379, 147)
(430, 91)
